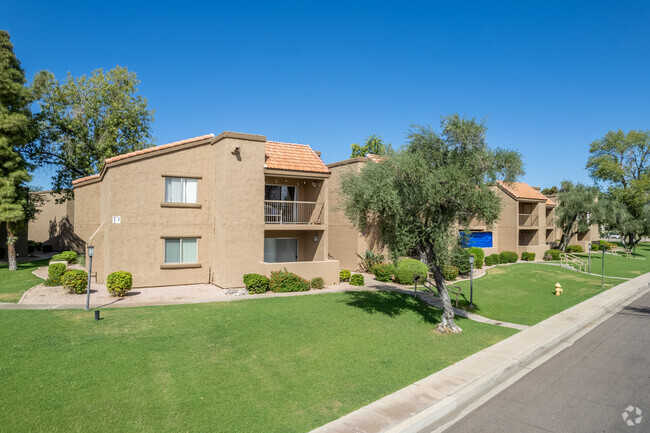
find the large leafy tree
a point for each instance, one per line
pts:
(622, 162)
(374, 144)
(15, 132)
(578, 208)
(83, 121)
(418, 196)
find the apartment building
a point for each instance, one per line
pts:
(208, 210)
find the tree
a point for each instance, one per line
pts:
(15, 122)
(374, 144)
(550, 191)
(418, 196)
(82, 122)
(577, 209)
(622, 161)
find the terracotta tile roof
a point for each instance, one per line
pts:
(521, 190)
(549, 202)
(294, 157)
(153, 149)
(375, 158)
(92, 176)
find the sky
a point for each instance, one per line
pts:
(548, 77)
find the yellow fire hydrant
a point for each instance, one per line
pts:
(558, 289)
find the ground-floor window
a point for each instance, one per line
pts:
(278, 250)
(181, 250)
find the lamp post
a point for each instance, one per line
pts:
(589, 248)
(471, 281)
(91, 251)
(602, 279)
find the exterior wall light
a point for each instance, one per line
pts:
(91, 253)
(315, 238)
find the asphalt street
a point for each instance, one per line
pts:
(585, 388)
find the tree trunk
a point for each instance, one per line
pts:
(11, 249)
(447, 323)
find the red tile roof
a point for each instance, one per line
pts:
(293, 157)
(521, 190)
(156, 148)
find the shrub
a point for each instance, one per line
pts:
(479, 256)
(47, 248)
(317, 283)
(574, 249)
(492, 259)
(75, 281)
(508, 257)
(344, 275)
(256, 283)
(51, 283)
(39, 246)
(383, 271)
(119, 283)
(460, 259)
(67, 256)
(554, 254)
(31, 247)
(547, 257)
(357, 280)
(54, 272)
(369, 260)
(407, 267)
(285, 281)
(450, 272)
(529, 257)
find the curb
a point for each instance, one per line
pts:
(430, 402)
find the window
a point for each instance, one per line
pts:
(181, 250)
(279, 250)
(180, 190)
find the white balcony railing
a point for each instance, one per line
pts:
(293, 212)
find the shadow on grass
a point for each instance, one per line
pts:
(392, 304)
(463, 304)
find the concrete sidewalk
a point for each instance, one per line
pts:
(431, 401)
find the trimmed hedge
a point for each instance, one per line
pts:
(256, 283)
(492, 259)
(407, 267)
(450, 272)
(529, 257)
(119, 283)
(285, 281)
(54, 273)
(75, 281)
(479, 256)
(345, 275)
(384, 272)
(508, 257)
(67, 256)
(317, 283)
(553, 254)
(574, 249)
(357, 280)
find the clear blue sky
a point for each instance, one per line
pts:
(551, 77)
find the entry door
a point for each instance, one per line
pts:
(288, 212)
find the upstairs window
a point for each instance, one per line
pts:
(180, 190)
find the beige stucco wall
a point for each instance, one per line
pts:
(54, 224)
(228, 219)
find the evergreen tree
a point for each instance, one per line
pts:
(15, 122)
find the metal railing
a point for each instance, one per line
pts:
(293, 212)
(528, 220)
(573, 261)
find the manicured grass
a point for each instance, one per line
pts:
(13, 284)
(265, 365)
(621, 266)
(524, 292)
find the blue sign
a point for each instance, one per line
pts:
(477, 239)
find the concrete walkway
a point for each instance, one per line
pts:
(432, 401)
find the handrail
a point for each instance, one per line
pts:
(293, 212)
(572, 260)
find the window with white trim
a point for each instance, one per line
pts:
(181, 250)
(180, 190)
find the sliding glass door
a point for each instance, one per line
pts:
(280, 203)
(279, 250)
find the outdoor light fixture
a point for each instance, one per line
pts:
(236, 151)
(315, 238)
(313, 184)
(91, 252)
(471, 281)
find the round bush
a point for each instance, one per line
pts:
(407, 267)
(450, 272)
(75, 281)
(317, 283)
(492, 259)
(383, 272)
(66, 256)
(54, 272)
(574, 249)
(345, 275)
(357, 280)
(479, 256)
(508, 257)
(285, 281)
(256, 283)
(119, 283)
(554, 254)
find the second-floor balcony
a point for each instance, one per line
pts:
(528, 220)
(293, 212)
(550, 221)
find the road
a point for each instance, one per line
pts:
(584, 388)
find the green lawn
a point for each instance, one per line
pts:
(266, 365)
(524, 293)
(620, 266)
(14, 284)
